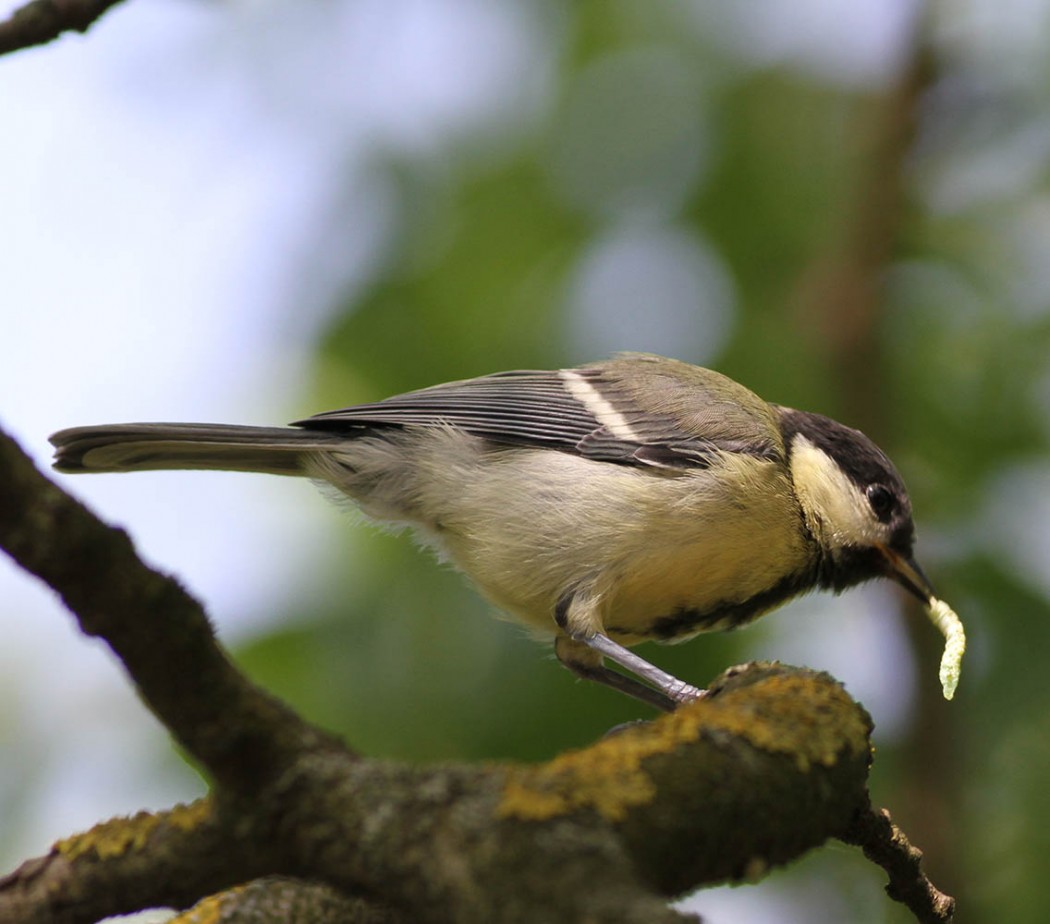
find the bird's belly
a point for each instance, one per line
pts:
(722, 581)
(643, 547)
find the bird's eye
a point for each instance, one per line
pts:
(881, 500)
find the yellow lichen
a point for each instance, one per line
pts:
(188, 817)
(115, 837)
(608, 777)
(208, 910)
(548, 791)
(797, 715)
(111, 838)
(773, 720)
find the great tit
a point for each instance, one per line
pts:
(605, 505)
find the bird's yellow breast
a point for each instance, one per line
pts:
(640, 543)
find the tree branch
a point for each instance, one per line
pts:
(125, 865)
(42, 21)
(767, 768)
(159, 632)
(885, 844)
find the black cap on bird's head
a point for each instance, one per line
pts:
(855, 504)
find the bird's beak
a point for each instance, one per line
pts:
(908, 574)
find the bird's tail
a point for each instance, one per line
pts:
(148, 446)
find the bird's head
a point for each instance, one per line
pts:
(854, 502)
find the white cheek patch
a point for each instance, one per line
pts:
(833, 504)
(589, 396)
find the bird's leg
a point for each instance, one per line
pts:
(585, 662)
(678, 691)
(584, 658)
(583, 647)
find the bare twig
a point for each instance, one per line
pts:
(42, 21)
(885, 844)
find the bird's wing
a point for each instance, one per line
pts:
(603, 411)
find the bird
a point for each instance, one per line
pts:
(631, 499)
